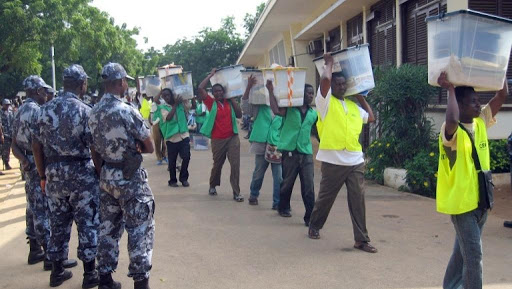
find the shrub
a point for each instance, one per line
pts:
(500, 162)
(404, 134)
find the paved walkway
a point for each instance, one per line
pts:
(213, 242)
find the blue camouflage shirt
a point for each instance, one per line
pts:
(115, 126)
(7, 120)
(62, 128)
(24, 122)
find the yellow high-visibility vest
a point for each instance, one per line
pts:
(457, 187)
(145, 108)
(340, 130)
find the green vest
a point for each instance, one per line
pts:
(457, 189)
(296, 134)
(340, 130)
(207, 128)
(261, 125)
(199, 110)
(178, 124)
(274, 134)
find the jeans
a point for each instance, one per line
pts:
(260, 168)
(465, 266)
(302, 165)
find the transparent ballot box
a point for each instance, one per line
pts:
(288, 85)
(258, 94)
(472, 47)
(181, 84)
(354, 62)
(230, 78)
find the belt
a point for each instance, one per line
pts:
(115, 165)
(59, 159)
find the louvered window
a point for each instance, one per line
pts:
(501, 8)
(355, 31)
(382, 33)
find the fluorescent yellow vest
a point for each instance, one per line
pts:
(457, 187)
(340, 130)
(145, 108)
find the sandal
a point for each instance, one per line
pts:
(365, 246)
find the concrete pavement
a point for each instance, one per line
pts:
(213, 242)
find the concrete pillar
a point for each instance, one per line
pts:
(343, 33)
(454, 5)
(325, 41)
(294, 51)
(365, 32)
(399, 36)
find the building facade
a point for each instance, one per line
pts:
(294, 32)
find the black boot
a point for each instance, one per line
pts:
(36, 254)
(106, 282)
(59, 275)
(7, 166)
(143, 284)
(91, 278)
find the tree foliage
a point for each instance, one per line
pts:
(85, 35)
(79, 32)
(209, 49)
(250, 20)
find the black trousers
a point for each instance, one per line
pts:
(183, 149)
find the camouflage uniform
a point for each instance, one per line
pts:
(7, 119)
(72, 185)
(125, 203)
(22, 129)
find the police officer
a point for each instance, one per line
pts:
(120, 136)
(61, 146)
(38, 229)
(7, 118)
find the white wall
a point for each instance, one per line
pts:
(501, 130)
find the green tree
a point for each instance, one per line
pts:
(250, 20)
(209, 49)
(79, 32)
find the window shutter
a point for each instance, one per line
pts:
(501, 8)
(382, 33)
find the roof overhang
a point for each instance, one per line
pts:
(341, 10)
(275, 19)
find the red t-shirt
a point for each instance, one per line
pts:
(223, 126)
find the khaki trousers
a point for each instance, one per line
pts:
(230, 148)
(160, 147)
(333, 179)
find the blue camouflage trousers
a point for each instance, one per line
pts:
(126, 205)
(37, 209)
(77, 200)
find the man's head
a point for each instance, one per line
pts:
(114, 76)
(35, 87)
(469, 103)
(168, 96)
(309, 94)
(50, 94)
(218, 91)
(339, 84)
(6, 103)
(75, 79)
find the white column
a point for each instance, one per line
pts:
(398, 28)
(365, 32)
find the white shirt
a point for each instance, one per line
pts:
(337, 157)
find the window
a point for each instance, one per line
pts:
(277, 54)
(355, 31)
(382, 33)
